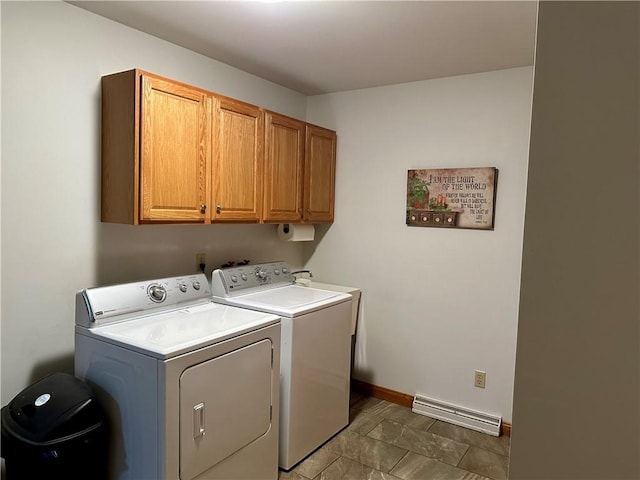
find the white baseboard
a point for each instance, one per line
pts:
(457, 415)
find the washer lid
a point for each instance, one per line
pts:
(288, 301)
(166, 335)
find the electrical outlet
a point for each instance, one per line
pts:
(201, 258)
(480, 379)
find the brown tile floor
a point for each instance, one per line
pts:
(385, 441)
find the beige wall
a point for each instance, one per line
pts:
(576, 399)
(437, 304)
(427, 323)
(53, 243)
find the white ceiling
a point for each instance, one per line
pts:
(319, 47)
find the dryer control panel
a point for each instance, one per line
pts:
(95, 306)
(225, 282)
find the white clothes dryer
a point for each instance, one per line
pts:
(190, 387)
(315, 351)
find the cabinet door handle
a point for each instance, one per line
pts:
(218, 208)
(309, 211)
(203, 208)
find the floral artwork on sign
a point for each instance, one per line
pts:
(452, 197)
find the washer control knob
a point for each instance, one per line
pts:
(276, 271)
(261, 274)
(196, 285)
(183, 287)
(244, 277)
(285, 270)
(234, 279)
(157, 293)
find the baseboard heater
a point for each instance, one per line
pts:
(461, 416)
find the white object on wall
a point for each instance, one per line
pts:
(290, 232)
(483, 422)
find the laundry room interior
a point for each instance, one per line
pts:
(535, 303)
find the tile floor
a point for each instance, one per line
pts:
(385, 441)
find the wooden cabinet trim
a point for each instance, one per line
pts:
(119, 165)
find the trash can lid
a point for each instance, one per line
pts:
(54, 407)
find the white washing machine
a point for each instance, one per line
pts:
(315, 351)
(190, 386)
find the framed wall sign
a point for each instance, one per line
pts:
(452, 197)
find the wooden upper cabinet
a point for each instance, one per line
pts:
(174, 152)
(319, 175)
(155, 150)
(238, 146)
(284, 156)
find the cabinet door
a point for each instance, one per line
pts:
(283, 160)
(319, 175)
(174, 152)
(239, 154)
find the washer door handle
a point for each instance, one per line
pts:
(198, 420)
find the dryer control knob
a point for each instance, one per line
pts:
(183, 287)
(157, 293)
(261, 274)
(196, 285)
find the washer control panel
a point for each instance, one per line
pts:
(226, 281)
(106, 304)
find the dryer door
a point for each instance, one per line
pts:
(225, 404)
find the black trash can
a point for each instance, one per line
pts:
(55, 429)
